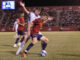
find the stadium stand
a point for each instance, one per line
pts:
(65, 18)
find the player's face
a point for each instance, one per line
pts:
(37, 12)
(22, 14)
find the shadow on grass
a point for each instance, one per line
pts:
(64, 54)
(32, 54)
(7, 45)
(12, 52)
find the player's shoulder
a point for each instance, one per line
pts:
(15, 22)
(38, 19)
(21, 18)
(32, 13)
(39, 16)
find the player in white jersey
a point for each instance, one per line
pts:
(15, 27)
(32, 16)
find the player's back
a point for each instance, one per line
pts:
(37, 25)
(21, 20)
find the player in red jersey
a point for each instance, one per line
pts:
(37, 25)
(21, 25)
(32, 16)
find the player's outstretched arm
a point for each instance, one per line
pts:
(29, 29)
(18, 22)
(22, 4)
(48, 19)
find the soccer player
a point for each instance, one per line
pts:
(21, 24)
(15, 27)
(32, 16)
(37, 25)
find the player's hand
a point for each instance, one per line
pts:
(13, 28)
(50, 18)
(22, 4)
(25, 23)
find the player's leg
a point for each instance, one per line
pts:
(16, 32)
(22, 39)
(17, 39)
(16, 35)
(22, 33)
(44, 42)
(22, 44)
(30, 46)
(25, 40)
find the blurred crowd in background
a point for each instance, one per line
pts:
(62, 17)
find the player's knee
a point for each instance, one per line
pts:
(24, 40)
(34, 42)
(18, 37)
(46, 40)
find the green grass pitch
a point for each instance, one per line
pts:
(61, 46)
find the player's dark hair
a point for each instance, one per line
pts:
(20, 12)
(39, 9)
(44, 14)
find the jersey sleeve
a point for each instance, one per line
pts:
(39, 16)
(35, 21)
(31, 17)
(22, 20)
(14, 23)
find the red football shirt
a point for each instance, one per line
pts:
(20, 27)
(37, 25)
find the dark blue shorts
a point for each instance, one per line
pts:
(38, 36)
(20, 32)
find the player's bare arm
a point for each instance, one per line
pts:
(20, 23)
(48, 19)
(29, 28)
(24, 8)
